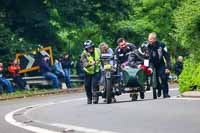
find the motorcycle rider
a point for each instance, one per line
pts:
(160, 61)
(138, 59)
(91, 63)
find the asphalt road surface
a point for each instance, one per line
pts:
(70, 114)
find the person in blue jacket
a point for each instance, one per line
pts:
(47, 72)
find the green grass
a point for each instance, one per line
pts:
(19, 93)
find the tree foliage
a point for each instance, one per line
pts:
(66, 24)
(187, 22)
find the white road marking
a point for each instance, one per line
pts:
(10, 119)
(174, 89)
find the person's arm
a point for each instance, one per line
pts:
(167, 57)
(132, 46)
(134, 60)
(46, 66)
(57, 66)
(85, 61)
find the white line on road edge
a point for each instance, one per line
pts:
(174, 89)
(185, 98)
(80, 129)
(10, 119)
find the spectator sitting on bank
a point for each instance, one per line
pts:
(5, 83)
(79, 68)
(14, 69)
(178, 67)
(46, 70)
(67, 65)
(59, 70)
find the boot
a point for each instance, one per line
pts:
(89, 101)
(96, 100)
(154, 93)
(159, 92)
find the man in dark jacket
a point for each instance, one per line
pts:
(160, 61)
(46, 70)
(123, 50)
(178, 67)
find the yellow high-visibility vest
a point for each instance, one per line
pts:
(94, 68)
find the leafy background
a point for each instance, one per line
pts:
(66, 24)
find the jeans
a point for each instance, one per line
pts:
(52, 77)
(7, 84)
(67, 77)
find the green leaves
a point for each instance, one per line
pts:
(190, 77)
(187, 22)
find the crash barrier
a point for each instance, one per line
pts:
(41, 80)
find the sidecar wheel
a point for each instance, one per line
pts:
(134, 97)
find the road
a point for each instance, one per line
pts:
(69, 113)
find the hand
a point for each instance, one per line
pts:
(139, 66)
(93, 63)
(63, 73)
(167, 71)
(150, 70)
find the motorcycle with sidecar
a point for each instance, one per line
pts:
(118, 80)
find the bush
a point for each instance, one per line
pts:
(190, 77)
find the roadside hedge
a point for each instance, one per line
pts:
(190, 77)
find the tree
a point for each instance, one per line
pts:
(187, 23)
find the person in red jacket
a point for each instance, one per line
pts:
(4, 82)
(14, 69)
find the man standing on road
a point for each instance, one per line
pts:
(160, 61)
(91, 63)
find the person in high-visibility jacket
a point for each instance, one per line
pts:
(91, 66)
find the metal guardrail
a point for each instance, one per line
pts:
(43, 81)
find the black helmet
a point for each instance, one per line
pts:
(88, 44)
(143, 49)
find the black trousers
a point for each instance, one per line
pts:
(161, 80)
(92, 84)
(20, 83)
